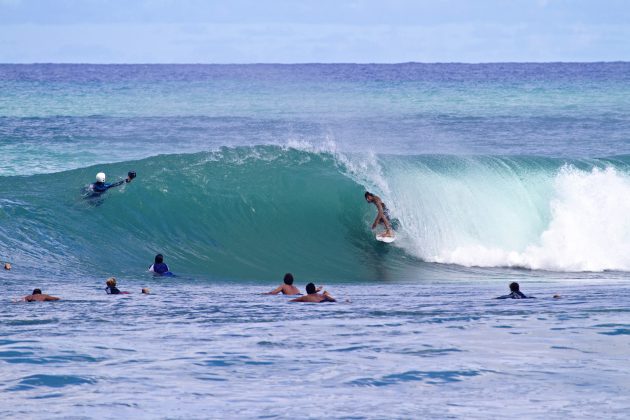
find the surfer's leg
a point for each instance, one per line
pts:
(388, 227)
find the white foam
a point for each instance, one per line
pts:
(588, 229)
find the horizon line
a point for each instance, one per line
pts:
(307, 63)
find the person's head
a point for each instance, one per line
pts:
(514, 287)
(288, 279)
(100, 177)
(37, 291)
(7, 266)
(146, 291)
(159, 259)
(310, 288)
(111, 282)
(369, 197)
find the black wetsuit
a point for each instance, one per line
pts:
(515, 295)
(112, 290)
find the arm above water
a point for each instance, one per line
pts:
(274, 291)
(130, 176)
(328, 297)
(117, 183)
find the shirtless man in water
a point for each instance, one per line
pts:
(313, 296)
(37, 296)
(287, 288)
(383, 216)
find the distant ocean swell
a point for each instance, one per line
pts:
(255, 212)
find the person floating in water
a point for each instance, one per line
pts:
(111, 288)
(383, 214)
(159, 268)
(287, 288)
(38, 296)
(7, 266)
(313, 295)
(515, 293)
(100, 186)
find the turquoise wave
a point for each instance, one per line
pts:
(257, 212)
(246, 213)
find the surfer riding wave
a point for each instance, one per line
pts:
(382, 216)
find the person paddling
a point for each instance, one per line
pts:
(100, 186)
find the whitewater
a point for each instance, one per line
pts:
(494, 173)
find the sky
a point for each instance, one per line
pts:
(285, 31)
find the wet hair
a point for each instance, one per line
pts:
(111, 282)
(159, 259)
(368, 194)
(514, 287)
(310, 288)
(288, 279)
(37, 291)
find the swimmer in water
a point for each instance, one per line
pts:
(7, 266)
(38, 296)
(313, 295)
(100, 186)
(287, 288)
(111, 288)
(382, 216)
(515, 293)
(159, 268)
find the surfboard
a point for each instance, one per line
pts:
(386, 239)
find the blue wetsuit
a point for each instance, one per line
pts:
(160, 269)
(101, 187)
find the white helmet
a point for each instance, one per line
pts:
(100, 177)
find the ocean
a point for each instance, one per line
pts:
(494, 173)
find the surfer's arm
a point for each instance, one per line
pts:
(274, 291)
(117, 183)
(328, 297)
(130, 176)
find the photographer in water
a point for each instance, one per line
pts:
(100, 186)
